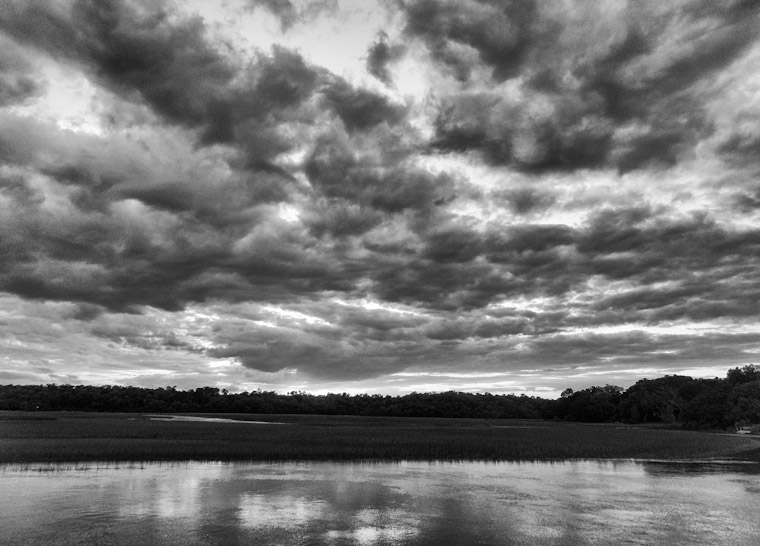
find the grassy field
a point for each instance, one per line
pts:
(75, 437)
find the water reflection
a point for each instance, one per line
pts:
(569, 503)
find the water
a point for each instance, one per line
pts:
(412, 503)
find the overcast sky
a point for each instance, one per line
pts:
(384, 197)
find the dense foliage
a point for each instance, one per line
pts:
(695, 403)
(210, 399)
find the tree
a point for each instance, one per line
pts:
(658, 400)
(595, 404)
(747, 374)
(744, 403)
(709, 408)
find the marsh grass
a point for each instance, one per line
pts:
(76, 437)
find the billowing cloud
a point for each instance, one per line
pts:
(380, 55)
(591, 84)
(431, 193)
(457, 33)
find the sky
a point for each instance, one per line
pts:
(382, 197)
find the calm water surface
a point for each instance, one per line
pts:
(568, 503)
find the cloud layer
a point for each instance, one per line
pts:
(409, 195)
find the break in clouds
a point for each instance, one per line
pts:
(491, 195)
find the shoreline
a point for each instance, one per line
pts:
(89, 465)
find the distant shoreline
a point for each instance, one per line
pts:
(71, 437)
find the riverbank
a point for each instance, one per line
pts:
(41, 437)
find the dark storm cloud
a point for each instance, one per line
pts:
(706, 269)
(697, 301)
(310, 222)
(340, 218)
(446, 285)
(359, 108)
(502, 246)
(525, 200)
(748, 200)
(464, 328)
(452, 244)
(574, 136)
(173, 68)
(361, 343)
(375, 323)
(380, 55)
(17, 81)
(198, 232)
(359, 184)
(667, 99)
(286, 81)
(274, 350)
(627, 98)
(139, 239)
(385, 182)
(618, 245)
(615, 230)
(498, 31)
(742, 149)
(633, 245)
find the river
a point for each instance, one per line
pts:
(407, 503)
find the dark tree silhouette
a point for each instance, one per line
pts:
(694, 403)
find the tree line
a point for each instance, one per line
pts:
(212, 400)
(716, 403)
(694, 403)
